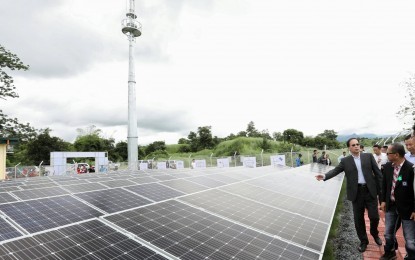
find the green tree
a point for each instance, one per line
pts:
(11, 127)
(91, 141)
(206, 140)
(12, 62)
(329, 134)
(183, 141)
(293, 136)
(251, 131)
(121, 151)
(39, 149)
(201, 140)
(155, 146)
(277, 136)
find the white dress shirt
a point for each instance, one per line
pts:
(380, 159)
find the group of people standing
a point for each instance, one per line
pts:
(323, 159)
(385, 177)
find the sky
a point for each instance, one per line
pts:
(307, 65)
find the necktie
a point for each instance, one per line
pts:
(395, 178)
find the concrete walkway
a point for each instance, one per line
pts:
(374, 251)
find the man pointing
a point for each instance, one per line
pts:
(363, 185)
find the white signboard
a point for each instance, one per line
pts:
(223, 162)
(143, 166)
(179, 165)
(278, 160)
(249, 162)
(161, 165)
(200, 164)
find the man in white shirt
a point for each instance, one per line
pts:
(410, 146)
(380, 157)
(341, 157)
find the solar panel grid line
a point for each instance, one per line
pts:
(266, 219)
(253, 228)
(47, 213)
(137, 194)
(84, 187)
(138, 239)
(86, 240)
(155, 191)
(268, 205)
(192, 244)
(14, 224)
(89, 204)
(7, 197)
(39, 193)
(8, 230)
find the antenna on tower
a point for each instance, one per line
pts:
(130, 26)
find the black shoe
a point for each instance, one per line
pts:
(378, 241)
(389, 256)
(362, 247)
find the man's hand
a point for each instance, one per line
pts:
(383, 206)
(413, 216)
(320, 177)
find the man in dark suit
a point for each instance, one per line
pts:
(363, 185)
(397, 201)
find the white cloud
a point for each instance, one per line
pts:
(305, 65)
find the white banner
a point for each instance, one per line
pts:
(200, 164)
(278, 160)
(249, 162)
(143, 166)
(161, 165)
(223, 162)
(179, 164)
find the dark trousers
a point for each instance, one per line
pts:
(365, 201)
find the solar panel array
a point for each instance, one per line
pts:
(214, 213)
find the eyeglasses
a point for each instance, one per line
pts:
(390, 153)
(355, 145)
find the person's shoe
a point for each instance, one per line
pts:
(378, 241)
(389, 255)
(362, 247)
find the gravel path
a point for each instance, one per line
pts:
(346, 242)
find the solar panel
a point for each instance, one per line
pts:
(77, 188)
(117, 183)
(206, 181)
(88, 240)
(155, 191)
(6, 197)
(93, 240)
(31, 186)
(27, 248)
(39, 193)
(112, 200)
(7, 231)
(287, 225)
(43, 214)
(5, 255)
(142, 180)
(233, 213)
(310, 208)
(190, 233)
(184, 186)
(9, 188)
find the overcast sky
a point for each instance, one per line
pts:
(307, 65)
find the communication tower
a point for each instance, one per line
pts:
(132, 29)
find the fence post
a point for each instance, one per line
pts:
(15, 171)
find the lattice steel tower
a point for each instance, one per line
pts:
(132, 29)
